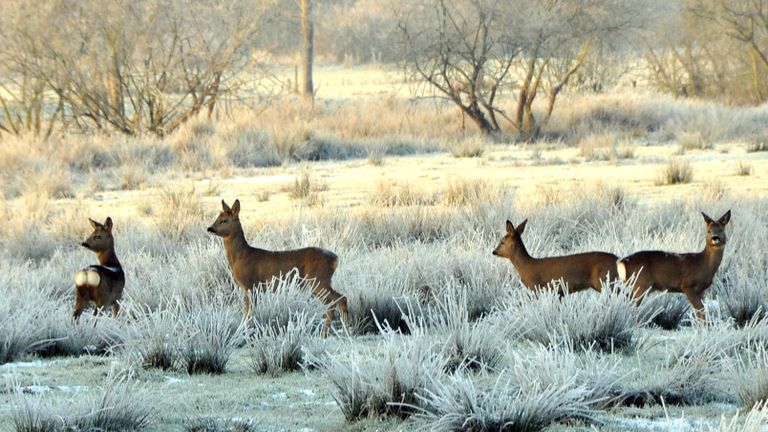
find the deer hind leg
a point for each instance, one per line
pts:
(246, 304)
(698, 305)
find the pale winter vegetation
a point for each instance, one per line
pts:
(608, 125)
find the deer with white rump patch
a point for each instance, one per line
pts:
(101, 284)
(253, 268)
(578, 271)
(688, 273)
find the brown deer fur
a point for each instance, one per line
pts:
(253, 268)
(101, 284)
(579, 271)
(689, 273)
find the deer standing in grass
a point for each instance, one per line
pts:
(688, 273)
(253, 268)
(101, 284)
(579, 271)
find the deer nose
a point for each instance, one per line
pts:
(211, 230)
(715, 240)
(495, 253)
(84, 244)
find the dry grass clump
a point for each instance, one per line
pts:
(395, 194)
(274, 350)
(211, 335)
(179, 213)
(607, 321)
(307, 187)
(463, 192)
(121, 405)
(675, 172)
(743, 168)
(538, 389)
(747, 374)
(599, 146)
(693, 141)
(218, 424)
(191, 143)
(382, 381)
(664, 310)
(470, 147)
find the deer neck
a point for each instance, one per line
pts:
(712, 257)
(521, 257)
(108, 258)
(235, 244)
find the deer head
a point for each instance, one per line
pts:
(226, 220)
(511, 241)
(716, 229)
(101, 238)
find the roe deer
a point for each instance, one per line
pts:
(689, 273)
(101, 284)
(579, 271)
(253, 268)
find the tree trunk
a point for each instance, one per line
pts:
(307, 48)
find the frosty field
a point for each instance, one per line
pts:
(415, 235)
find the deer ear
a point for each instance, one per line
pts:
(510, 227)
(94, 224)
(225, 207)
(108, 224)
(521, 227)
(707, 219)
(236, 207)
(724, 219)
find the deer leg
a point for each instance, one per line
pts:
(698, 305)
(115, 309)
(327, 324)
(246, 304)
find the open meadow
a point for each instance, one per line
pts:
(442, 335)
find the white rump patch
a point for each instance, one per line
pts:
(621, 269)
(93, 278)
(81, 278)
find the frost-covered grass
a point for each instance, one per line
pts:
(440, 330)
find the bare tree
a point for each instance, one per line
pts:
(146, 65)
(462, 49)
(473, 50)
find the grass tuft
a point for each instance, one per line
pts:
(675, 172)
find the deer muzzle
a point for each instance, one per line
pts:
(211, 230)
(716, 240)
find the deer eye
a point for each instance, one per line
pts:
(224, 221)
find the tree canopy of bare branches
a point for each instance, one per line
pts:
(140, 66)
(472, 51)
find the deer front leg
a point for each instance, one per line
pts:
(115, 309)
(698, 305)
